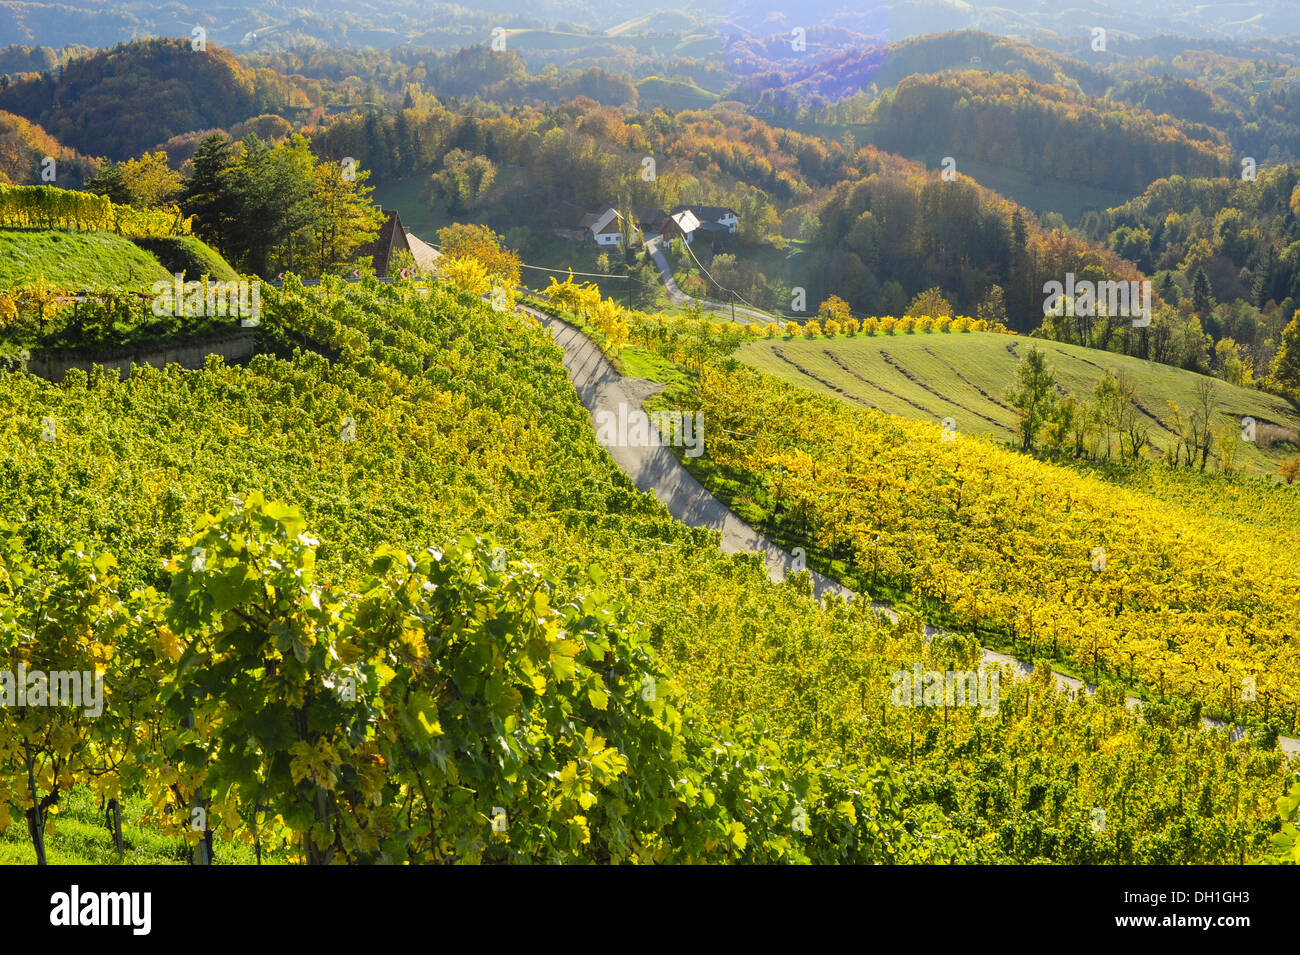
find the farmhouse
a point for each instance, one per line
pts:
(391, 238)
(604, 227)
(724, 216)
(680, 225)
(649, 220)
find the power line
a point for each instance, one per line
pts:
(730, 291)
(594, 275)
(542, 268)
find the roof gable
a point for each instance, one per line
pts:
(686, 221)
(391, 238)
(608, 221)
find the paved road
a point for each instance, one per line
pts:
(654, 245)
(654, 468)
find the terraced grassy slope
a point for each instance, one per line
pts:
(966, 377)
(89, 259)
(188, 254)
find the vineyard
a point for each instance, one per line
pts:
(380, 596)
(1017, 551)
(47, 207)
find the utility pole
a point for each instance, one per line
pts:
(733, 305)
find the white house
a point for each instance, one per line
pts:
(605, 227)
(681, 224)
(722, 215)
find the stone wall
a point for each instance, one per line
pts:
(234, 347)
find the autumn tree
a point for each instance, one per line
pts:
(834, 308)
(466, 274)
(1286, 364)
(930, 302)
(1290, 468)
(345, 217)
(993, 309)
(462, 182)
(478, 242)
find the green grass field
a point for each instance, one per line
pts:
(966, 377)
(674, 94)
(88, 259)
(77, 835)
(404, 196)
(190, 255)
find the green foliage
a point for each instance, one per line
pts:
(465, 424)
(1286, 842)
(1034, 395)
(272, 207)
(1286, 365)
(188, 255)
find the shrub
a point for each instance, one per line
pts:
(1289, 469)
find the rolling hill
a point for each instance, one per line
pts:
(965, 377)
(120, 102)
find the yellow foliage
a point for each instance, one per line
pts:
(466, 274)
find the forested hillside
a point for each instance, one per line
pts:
(1073, 139)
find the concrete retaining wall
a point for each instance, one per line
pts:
(233, 348)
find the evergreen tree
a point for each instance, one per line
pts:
(208, 195)
(272, 191)
(110, 181)
(1261, 288)
(1169, 291)
(1202, 297)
